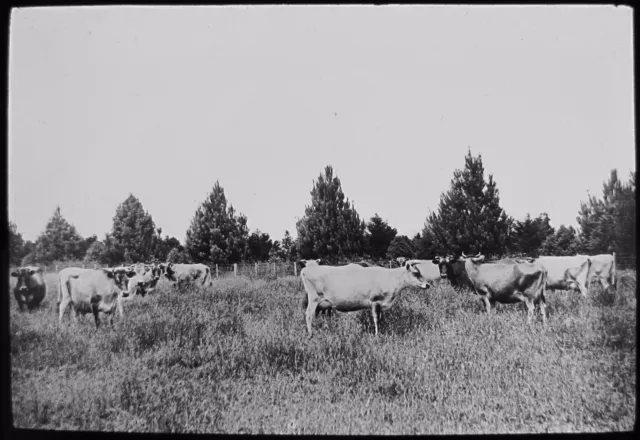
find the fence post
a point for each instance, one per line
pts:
(295, 269)
(389, 264)
(235, 269)
(56, 268)
(83, 265)
(256, 269)
(216, 271)
(95, 266)
(275, 274)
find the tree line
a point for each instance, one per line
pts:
(468, 219)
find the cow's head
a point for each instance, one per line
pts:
(121, 275)
(445, 264)
(307, 263)
(401, 261)
(414, 275)
(169, 272)
(24, 276)
(478, 258)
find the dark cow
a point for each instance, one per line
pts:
(453, 270)
(30, 288)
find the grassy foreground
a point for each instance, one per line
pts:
(235, 359)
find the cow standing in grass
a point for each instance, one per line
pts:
(603, 269)
(94, 291)
(188, 273)
(567, 273)
(353, 287)
(30, 288)
(508, 283)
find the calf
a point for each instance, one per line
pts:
(30, 288)
(353, 287)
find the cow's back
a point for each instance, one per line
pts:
(93, 286)
(558, 266)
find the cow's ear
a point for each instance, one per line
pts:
(436, 260)
(15, 274)
(131, 273)
(111, 273)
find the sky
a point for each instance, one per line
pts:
(162, 102)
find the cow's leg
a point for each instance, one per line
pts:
(530, 305)
(487, 303)
(96, 314)
(375, 312)
(543, 310)
(62, 308)
(311, 313)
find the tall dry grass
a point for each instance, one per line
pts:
(235, 358)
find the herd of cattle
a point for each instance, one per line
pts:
(351, 287)
(102, 290)
(359, 286)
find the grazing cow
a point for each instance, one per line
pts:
(452, 269)
(603, 269)
(146, 277)
(184, 273)
(508, 283)
(93, 291)
(566, 273)
(30, 288)
(353, 287)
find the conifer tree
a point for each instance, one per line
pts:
(469, 217)
(331, 228)
(217, 235)
(60, 241)
(132, 233)
(380, 237)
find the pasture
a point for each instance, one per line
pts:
(235, 358)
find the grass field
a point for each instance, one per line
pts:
(235, 358)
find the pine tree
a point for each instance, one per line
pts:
(288, 246)
(469, 217)
(331, 228)
(608, 224)
(380, 237)
(259, 246)
(529, 234)
(133, 232)
(16, 245)
(400, 246)
(60, 241)
(216, 234)
(563, 242)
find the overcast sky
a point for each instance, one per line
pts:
(163, 101)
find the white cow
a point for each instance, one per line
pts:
(353, 287)
(184, 273)
(93, 291)
(603, 269)
(566, 273)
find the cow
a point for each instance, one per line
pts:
(146, 277)
(452, 269)
(603, 269)
(184, 273)
(353, 287)
(323, 309)
(566, 272)
(30, 288)
(94, 291)
(508, 283)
